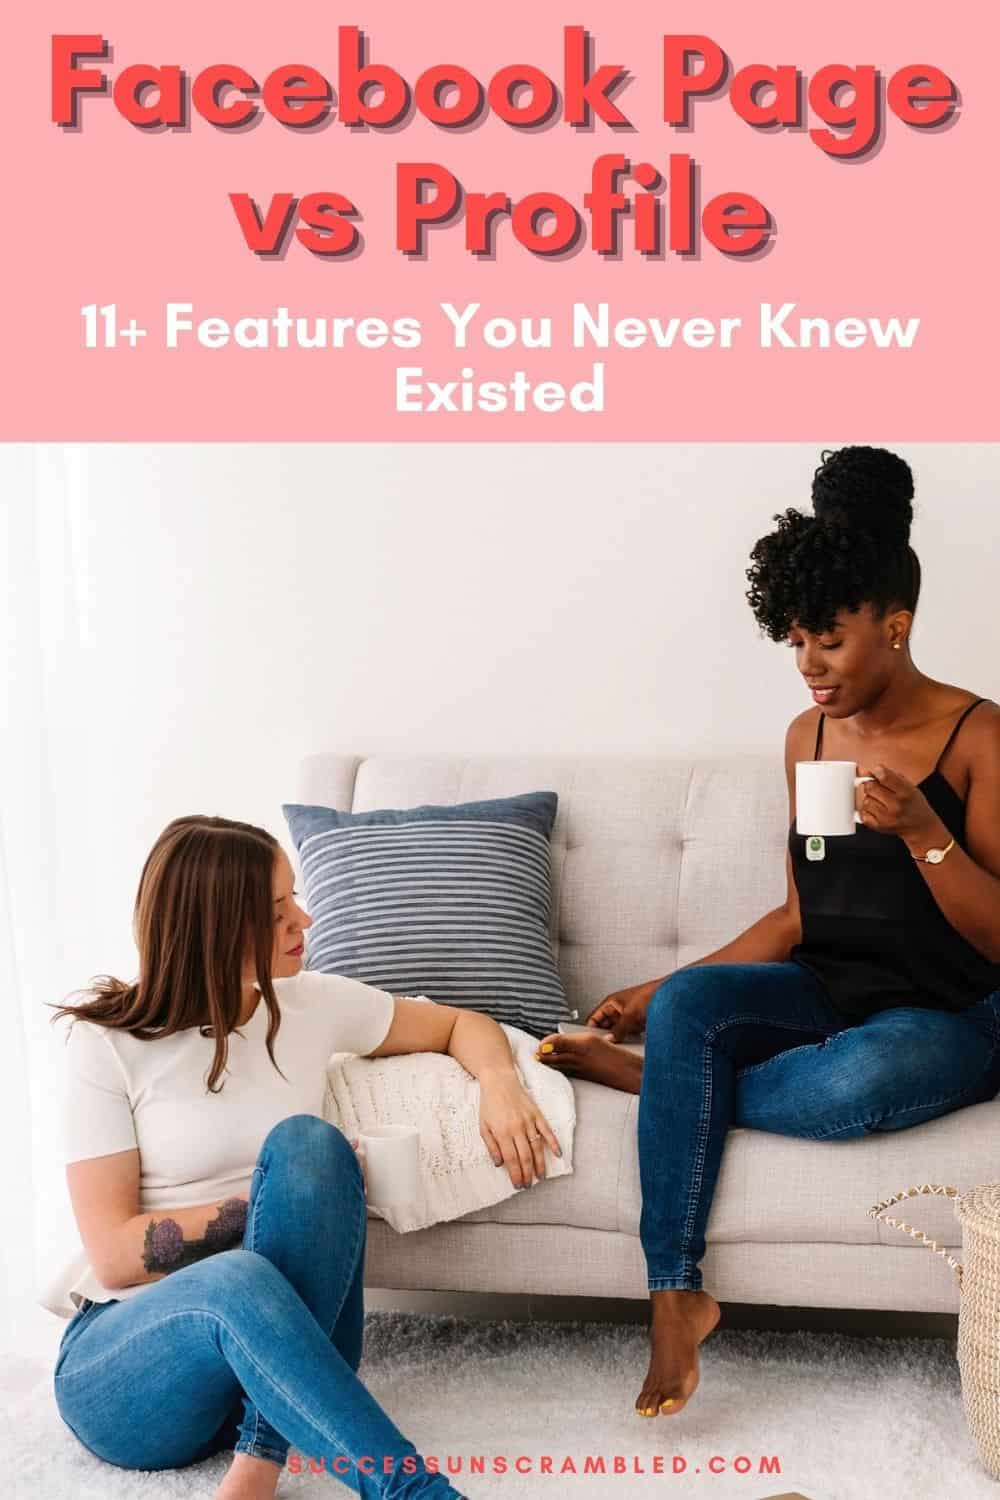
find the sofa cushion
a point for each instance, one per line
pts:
(655, 861)
(450, 902)
(771, 1188)
(785, 1189)
(590, 1196)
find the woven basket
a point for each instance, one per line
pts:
(978, 1211)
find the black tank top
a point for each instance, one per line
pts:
(872, 932)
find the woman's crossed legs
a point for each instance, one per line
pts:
(274, 1330)
(759, 1045)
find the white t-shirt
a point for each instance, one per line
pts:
(121, 1093)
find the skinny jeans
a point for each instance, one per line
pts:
(760, 1045)
(255, 1348)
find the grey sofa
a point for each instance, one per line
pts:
(655, 863)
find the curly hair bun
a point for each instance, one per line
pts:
(865, 489)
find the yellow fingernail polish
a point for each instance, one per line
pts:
(547, 1047)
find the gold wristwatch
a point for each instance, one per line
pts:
(935, 856)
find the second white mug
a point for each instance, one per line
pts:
(824, 797)
(392, 1162)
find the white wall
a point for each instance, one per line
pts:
(243, 605)
(190, 621)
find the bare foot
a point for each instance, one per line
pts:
(681, 1320)
(249, 1478)
(595, 1057)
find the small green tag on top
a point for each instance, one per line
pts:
(815, 847)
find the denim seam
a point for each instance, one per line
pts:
(702, 1144)
(254, 1445)
(626, 1134)
(287, 1394)
(106, 1354)
(359, 1233)
(206, 1312)
(780, 1056)
(912, 1108)
(893, 1114)
(262, 1168)
(261, 1450)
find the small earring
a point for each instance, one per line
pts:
(897, 645)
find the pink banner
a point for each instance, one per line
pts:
(770, 222)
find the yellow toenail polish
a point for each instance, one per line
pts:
(547, 1047)
(663, 1404)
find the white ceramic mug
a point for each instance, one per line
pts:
(392, 1164)
(824, 797)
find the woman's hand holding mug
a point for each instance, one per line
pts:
(893, 804)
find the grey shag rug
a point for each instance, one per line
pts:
(846, 1418)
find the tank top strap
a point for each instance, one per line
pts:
(819, 738)
(961, 721)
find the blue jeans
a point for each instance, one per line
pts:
(257, 1347)
(760, 1045)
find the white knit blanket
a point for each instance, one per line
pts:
(436, 1094)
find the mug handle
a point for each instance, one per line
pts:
(857, 782)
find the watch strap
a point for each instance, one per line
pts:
(935, 856)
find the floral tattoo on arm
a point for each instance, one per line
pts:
(165, 1248)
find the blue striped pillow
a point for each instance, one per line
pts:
(450, 902)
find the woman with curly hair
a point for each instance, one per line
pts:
(869, 1000)
(219, 1301)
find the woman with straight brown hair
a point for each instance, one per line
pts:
(220, 1299)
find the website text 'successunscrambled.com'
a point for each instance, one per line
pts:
(564, 1465)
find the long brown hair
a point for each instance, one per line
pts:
(205, 902)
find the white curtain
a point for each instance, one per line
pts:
(48, 900)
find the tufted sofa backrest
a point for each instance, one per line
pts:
(655, 862)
